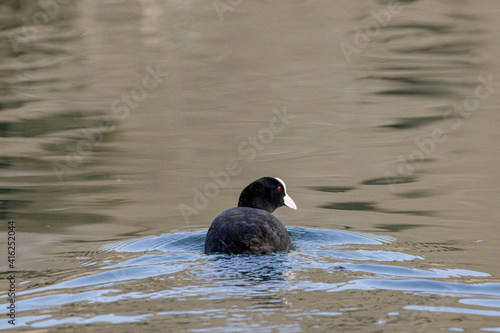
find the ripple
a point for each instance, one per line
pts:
(453, 310)
(181, 270)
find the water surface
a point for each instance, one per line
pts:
(128, 126)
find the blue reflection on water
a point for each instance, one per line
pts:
(222, 276)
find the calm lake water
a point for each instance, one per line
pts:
(127, 126)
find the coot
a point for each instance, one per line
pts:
(250, 228)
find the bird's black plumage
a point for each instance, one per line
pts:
(250, 228)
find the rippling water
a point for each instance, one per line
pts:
(152, 270)
(127, 126)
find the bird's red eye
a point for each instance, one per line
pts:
(280, 188)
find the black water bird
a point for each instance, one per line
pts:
(251, 228)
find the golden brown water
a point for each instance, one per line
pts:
(123, 123)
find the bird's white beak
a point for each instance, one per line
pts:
(289, 202)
